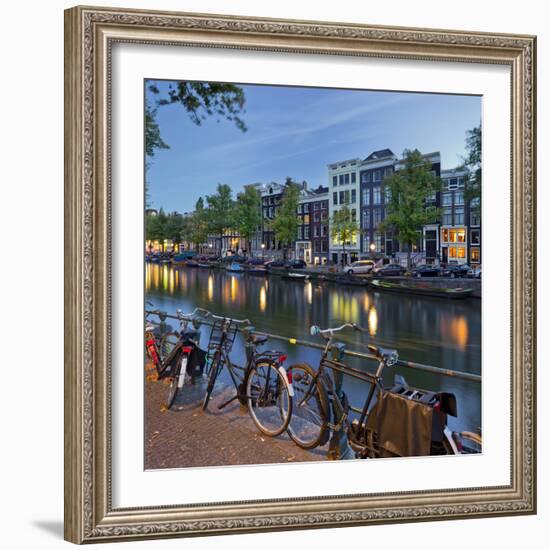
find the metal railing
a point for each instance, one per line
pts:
(354, 373)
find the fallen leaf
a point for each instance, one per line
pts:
(163, 408)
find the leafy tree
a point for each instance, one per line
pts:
(220, 214)
(248, 215)
(200, 100)
(343, 228)
(472, 163)
(406, 193)
(285, 222)
(195, 228)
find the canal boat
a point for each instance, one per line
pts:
(296, 276)
(204, 265)
(422, 290)
(234, 267)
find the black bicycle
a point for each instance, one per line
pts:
(262, 385)
(178, 356)
(395, 421)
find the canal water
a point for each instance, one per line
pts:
(442, 333)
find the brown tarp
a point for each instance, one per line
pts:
(404, 427)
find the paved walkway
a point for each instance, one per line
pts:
(185, 436)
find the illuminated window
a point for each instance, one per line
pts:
(461, 251)
(445, 235)
(452, 252)
(474, 254)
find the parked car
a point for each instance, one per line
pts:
(276, 263)
(234, 259)
(455, 271)
(389, 270)
(360, 266)
(474, 272)
(296, 264)
(426, 270)
(255, 261)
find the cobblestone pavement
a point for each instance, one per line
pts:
(185, 436)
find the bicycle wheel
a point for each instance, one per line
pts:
(268, 398)
(308, 426)
(173, 389)
(212, 375)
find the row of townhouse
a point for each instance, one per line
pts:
(358, 183)
(455, 237)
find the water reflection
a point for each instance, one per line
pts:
(443, 333)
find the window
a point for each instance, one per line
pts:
(353, 195)
(460, 182)
(306, 232)
(447, 216)
(346, 179)
(306, 207)
(335, 197)
(376, 198)
(475, 255)
(459, 197)
(366, 218)
(366, 197)
(387, 194)
(323, 230)
(460, 251)
(316, 206)
(445, 235)
(353, 215)
(300, 233)
(366, 177)
(475, 212)
(447, 199)
(341, 179)
(324, 246)
(306, 219)
(378, 241)
(316, 217)
(377, 216)
(315, 230)
(334, 180)
(316, 246)
(388, 171)
(324, 205)
(300, 208)
(341, 197)
(474, 236)
(378, 175)
(346, 196)
(353, 175)
(459, 215)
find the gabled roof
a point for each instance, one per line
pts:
(382, 153)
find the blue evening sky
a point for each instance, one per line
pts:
(294, 131)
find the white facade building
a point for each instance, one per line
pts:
(344, 188)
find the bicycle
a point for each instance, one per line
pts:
(182, 359)
(320, 407)
(263, 387)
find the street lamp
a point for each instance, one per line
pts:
(263, 251)
(372, 249)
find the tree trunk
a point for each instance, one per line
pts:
(343, 253)
(409, 255)
(249, 246)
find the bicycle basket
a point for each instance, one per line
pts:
(222, 335)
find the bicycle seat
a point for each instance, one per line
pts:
(387, 354)
(258, 339)
(150, 328)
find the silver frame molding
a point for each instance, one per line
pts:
(89, 35)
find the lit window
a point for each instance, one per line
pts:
(461, 251)
(475, 255)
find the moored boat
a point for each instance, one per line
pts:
(296, 276)
(234, 267)
(422, 290)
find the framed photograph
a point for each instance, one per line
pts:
(300, 274)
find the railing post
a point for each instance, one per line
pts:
(339, 448)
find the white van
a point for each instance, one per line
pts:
(360, 266)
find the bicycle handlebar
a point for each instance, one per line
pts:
(315, 330)
(207, 314)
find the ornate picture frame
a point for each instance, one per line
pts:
(90, 34)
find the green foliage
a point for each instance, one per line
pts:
(164, 226)
(406, 191)
(472, 163)
(248, 216)
(343, 228)
(153, 139)
(220, 214)
(200, 100)
(195, 225)
(285, 223)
